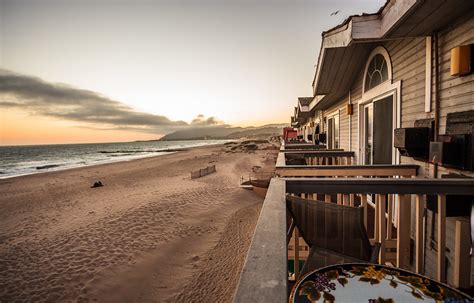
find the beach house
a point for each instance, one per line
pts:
(394, 90)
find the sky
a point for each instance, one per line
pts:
(116, 70)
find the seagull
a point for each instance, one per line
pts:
(335, 13)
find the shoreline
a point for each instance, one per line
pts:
(151, 233)
(108, 161)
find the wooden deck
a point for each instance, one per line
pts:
(264, 276)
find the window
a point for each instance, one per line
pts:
(377, 72)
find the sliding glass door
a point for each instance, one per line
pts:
(377, 131)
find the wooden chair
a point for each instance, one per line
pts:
(335, 233)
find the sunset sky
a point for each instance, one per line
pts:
(116, 70)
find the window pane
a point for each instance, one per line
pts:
(367, 82)
(377, 72)
(384, 72)
(376, 79)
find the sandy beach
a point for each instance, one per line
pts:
(150, 234)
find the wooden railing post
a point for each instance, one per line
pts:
(376, 220)
(441, 260)
(389, 217)
(403, 231)
(381, 201)
(345, 199)
(327, 198)
(364, 205)
(419, 245)
(296, 264)
(462, 261)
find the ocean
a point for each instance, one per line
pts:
(33, 159)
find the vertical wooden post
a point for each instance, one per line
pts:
(352, 200)
(327, 198)
(462, 261)
(419, 209)
(296, 264)
(315, 196)
(403, 231)
(376, 219)
(349, 160)
(339, 199)
(441, 262)
(303, 196)
(389, 217)
(383, 227)
(345, 199)
(364, 205)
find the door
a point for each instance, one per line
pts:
(378, 131)
(333, 132)
(383, 131)
(330, 133)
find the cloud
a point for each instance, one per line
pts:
(64, 102)
(201, 120)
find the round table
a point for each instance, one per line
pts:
(371, 283)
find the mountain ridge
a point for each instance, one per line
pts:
(225, 132)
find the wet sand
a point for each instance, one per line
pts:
(151, 234)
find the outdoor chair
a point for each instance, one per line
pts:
(335, 233)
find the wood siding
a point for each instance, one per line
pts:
(343, 122)
(456, 94)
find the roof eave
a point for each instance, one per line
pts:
(362, 29)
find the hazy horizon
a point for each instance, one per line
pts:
(115, 70)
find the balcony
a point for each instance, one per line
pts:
(264, 276)
(307, 157)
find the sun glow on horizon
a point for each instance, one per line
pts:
(241, 62)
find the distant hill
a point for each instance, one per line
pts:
(225, 132)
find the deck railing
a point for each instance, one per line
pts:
(264, 276)
(316, 157)
(379, 170)
(303, 146)
(372, 222)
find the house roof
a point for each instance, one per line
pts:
(304, 101)
(346, 47)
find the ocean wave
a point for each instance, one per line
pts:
(48, 166)
(131, 152)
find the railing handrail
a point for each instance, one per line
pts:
(380, 186)
(348, 167)
(264, 276)
(302, 146)
(380, 170)
(303, 150)
(320, 153)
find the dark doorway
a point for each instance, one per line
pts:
(383, 131)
